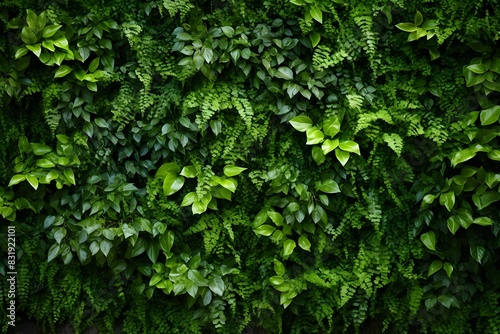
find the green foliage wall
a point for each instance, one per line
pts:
(296, 166)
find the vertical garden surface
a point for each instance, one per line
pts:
(302, 166)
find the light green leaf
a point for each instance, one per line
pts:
(189, 199)
(199, 207)
(284, 73)
(477, 68)
(231, 170)
(189, 172)
(172, 184)
(167, 168)
(329, 145)
(166, 241)
(276, 217)
(261, 218)
(301, 123)
(276, 280)
(314, 136)
(315, 39)
(316, 14)
(448, 268)
(434, 267)
(105, 246)
(33, 181)
(16, 179)
(265, 230)
(408, 27)
(453, 223)
(288, 247)
(485, 199)
(342, 156)
(349, 146)
(462, 156)
(40, 149)
(318, 155)
(216, 284)
(429, 240)
(304, 243)
(483, 221)
(279, 268)
(23, 144)
(490, 115)
(447, 199)
(329, 187)
(230, 184)
(50, 30)
(68, 173)
(331, 126)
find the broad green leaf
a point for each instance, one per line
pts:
(462, 156)
(276, 217)
(20, 52)
(105, 246)
(483, 221)
(448, 301)
(276, 280)
(17, 179)
(407, 26)
(23, 144)
(28, 36)
(101, 123)
(199, 207)
(477, 252)
(418, 18)
(490, 115)
(62, 71)
(231, 170)
(329, 187)
(349, 146)
(228, 31)
(429, 240)
(329, 145)
(216, 284)
(318, 155)
(284, 73)
(68, 173)
(288, 247)
(494, 155)
(189, 199)
(40, 149)
(261, 218)
(230, 184)
(157, 277)
(33, 181)
(430, 302)
(304, 243)
(265, 230)
(331, 126)
(301, 123)
(448, 268)
(166, 241)
(50, 30)
(342, 156)
(316, 14)
(54, 250)
(216, 127)
(434, 267)
(485, 199)
(167, 168)
(314, 136)
(477, 68)
(172, 184)
(315, 39)
(447, 199)
(188, 171)
(279, 268)
(453, 223)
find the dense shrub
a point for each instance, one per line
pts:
(296, 166)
